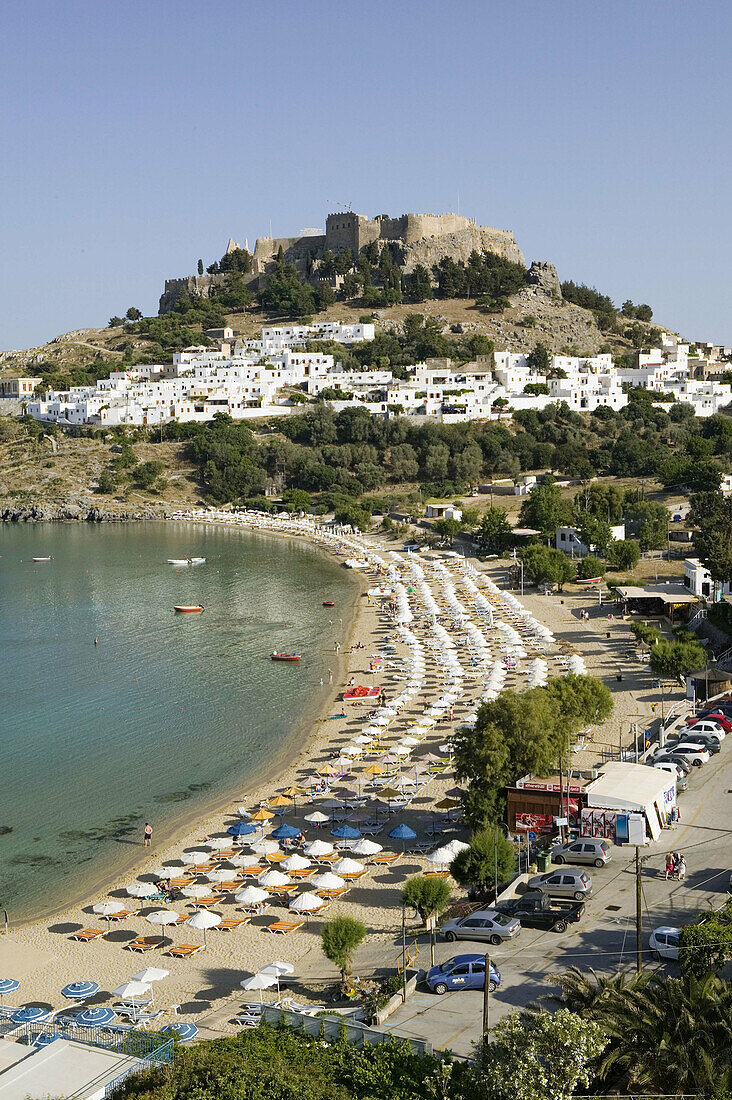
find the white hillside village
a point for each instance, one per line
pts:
(273, 375)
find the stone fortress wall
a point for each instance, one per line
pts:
(414, 238)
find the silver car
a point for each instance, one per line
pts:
(568, 882)
(585, 849)
(485, 924)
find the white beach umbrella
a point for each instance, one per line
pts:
(107, 908)
(131, 990)
(295, 862)
(162, 917)
(441, 856)
(264, 847)
(164, 872)
(317, 818)
(192, 859)
(197, 890)
(142, 889)
(217, 843)
(251, 895)
(243, 860)
(365, 847)
(273, 878)
(410, 742)
(219, 875)
(260, 982)
(347, 866)
(203, 919)
(352, 750)
(318, 848)
(362, 739)
(456, 846)
(306, 903)
(277, 970)
(328, 881)
(150, 974)
(242, 811)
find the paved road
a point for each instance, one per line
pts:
(605, 938)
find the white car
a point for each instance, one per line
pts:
(707, 725)
(693, 751)
(664, 942)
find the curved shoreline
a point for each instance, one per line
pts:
(303, 735)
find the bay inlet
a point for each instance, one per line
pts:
(163, 715)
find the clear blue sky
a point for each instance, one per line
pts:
(137, 137)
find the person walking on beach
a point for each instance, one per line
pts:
(147, 835)
(669, 864)
(330, 676)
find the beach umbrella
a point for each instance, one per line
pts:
(328, 769)
(184, 1030)
(311, 781)
(447, 803)
(441, 856)
(430, 758)
(328, 881)
(362, 739)
(306, 903)
(278, 800)
(241, 828)
(402, 832)
(8, 985)
(346, 832)
(193, 859)
(283, 832)
(142, 889)
(221, 874)
(251, 895)
(347, 866)
(293, 792)
(365, 848)
(243, 860)
(217, 843)
(97, 1016)
(30, 1014)
(203, 919)
(107, 909)
(197, 890)
(277, 969)
(456, 846)
(318, 848)
(373, 769)
(132, 990)
(295, 862)
(262, 815)
(390, 792)
(260, 982)
(264, 846)
(352, 750)
(273, 878)
(317, 819)
(80, 991)
(410, 742)
(162, 917)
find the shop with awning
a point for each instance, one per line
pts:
(672, 600)
(623, 788)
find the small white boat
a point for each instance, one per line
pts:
(198, 561)
(178, 561)
(49, 558)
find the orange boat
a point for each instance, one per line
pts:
(188, 607)
(284, 656)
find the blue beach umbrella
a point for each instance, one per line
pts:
(98, 1016)
(403, 833)
(45, 1038)
(79, 991)
(183, 1030)
(285, 832)
(346, 832)
(8, 985)
(30, 1015)
(241, 828)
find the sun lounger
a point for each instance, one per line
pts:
(226, 853)
(255, 910)
(336, 893)
(283, 891)
(253, 871)
(228, 887)
(123, 914)
(231, 924)
(206, 903)
(306, 872)
(146, 1018)
(184, 950)
(283, 927)
(353, 876)
(179, 883)
(204, 868)
(385, 858)
(437, 874)
(145, 943)
(87, 934)
(275, 857)
(331, 858)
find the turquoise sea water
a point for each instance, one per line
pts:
(167, 712)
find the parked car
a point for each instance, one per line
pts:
(487, 925)
(682, 751)
(720, 718)
(675, 770)
(569, 882)
(537, 910)
(708, 740)
(693, 751)
(664, 942)
(709, 725)
(462, 972)
(665, 756)
(585, 849)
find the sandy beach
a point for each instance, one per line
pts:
(43, 957)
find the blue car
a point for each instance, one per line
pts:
(462, 972)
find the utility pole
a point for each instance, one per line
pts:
(638, 913)
(486, 995)
(404, 955)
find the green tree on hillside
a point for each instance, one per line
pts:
(544, 509)
(339, 939)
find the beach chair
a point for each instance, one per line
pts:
(306, 872)
(251, 872)
(283, 891)
(225, 853)
(385, 859)
(232, 924)
(333, 857)
(437, 874)
(276, 857)
(353, 876)
(181, 881)
(123, 914)
(145, 943)
(206, 903)
(184, 950)
(284, 927)
(87, 934)
(228, 887)
(254, 910)
(335, 893)
(250, 1015)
